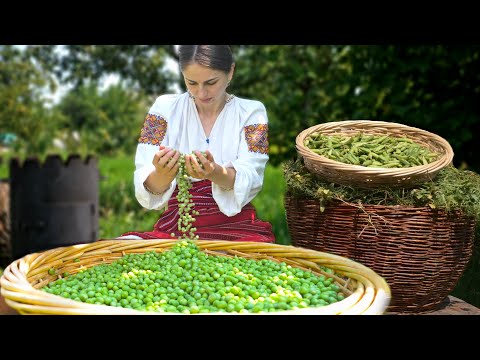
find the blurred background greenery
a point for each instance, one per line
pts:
(432, 87)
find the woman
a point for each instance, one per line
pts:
(230, 131)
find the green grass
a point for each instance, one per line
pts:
(120, 211)
(4, 167)
(468, 287)
(269, 204)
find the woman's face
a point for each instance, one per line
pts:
(207, 86)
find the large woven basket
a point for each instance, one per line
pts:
(367, 177)
(365, 291)
(421, 253)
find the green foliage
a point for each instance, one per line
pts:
(120, 211)
(22, 110)
(435, 88)
(468, 288)
(107, 122)
(451, 190)
(269, 204)
(290, 81)
(86, 121)
(4, 161)
(141, 66)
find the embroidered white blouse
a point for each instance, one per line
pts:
(238, 139)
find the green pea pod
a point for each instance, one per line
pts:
(405, 163)
(378, 148)
(392, 164)
(347, 141)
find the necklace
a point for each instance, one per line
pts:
(227, 100)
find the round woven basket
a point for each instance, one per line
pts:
(367, 177)
(421, 253)
(365, 291)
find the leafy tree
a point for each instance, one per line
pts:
(107, 122)
(22, 110)
(431, 87)
(291, 81)
(142, 67)
(434, 87)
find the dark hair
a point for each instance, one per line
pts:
(217, 57)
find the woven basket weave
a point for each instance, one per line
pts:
(367, 177)
(365, 291)
(420, 253)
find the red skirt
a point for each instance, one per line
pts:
(211, 223)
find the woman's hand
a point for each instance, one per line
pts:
(201, 169)
(166, 162)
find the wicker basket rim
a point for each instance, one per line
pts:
(371, 296)
(445, 158)
(373, 177)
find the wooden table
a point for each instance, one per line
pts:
(451, 306)
(5, 309)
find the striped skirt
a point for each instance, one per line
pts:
(211, 223)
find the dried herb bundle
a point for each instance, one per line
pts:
(452, 189)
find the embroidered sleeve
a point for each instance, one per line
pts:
(257, 138)
(153, 131)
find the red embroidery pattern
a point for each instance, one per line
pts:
(257, 138)
(153, 131)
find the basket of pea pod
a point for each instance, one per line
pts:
(371, 154)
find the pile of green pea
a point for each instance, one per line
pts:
(185, 279)
(185, 203)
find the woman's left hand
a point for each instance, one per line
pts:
(201, 169)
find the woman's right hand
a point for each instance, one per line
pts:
(166, 163)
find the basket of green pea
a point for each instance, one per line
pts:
(191, 277)
(371, 154)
